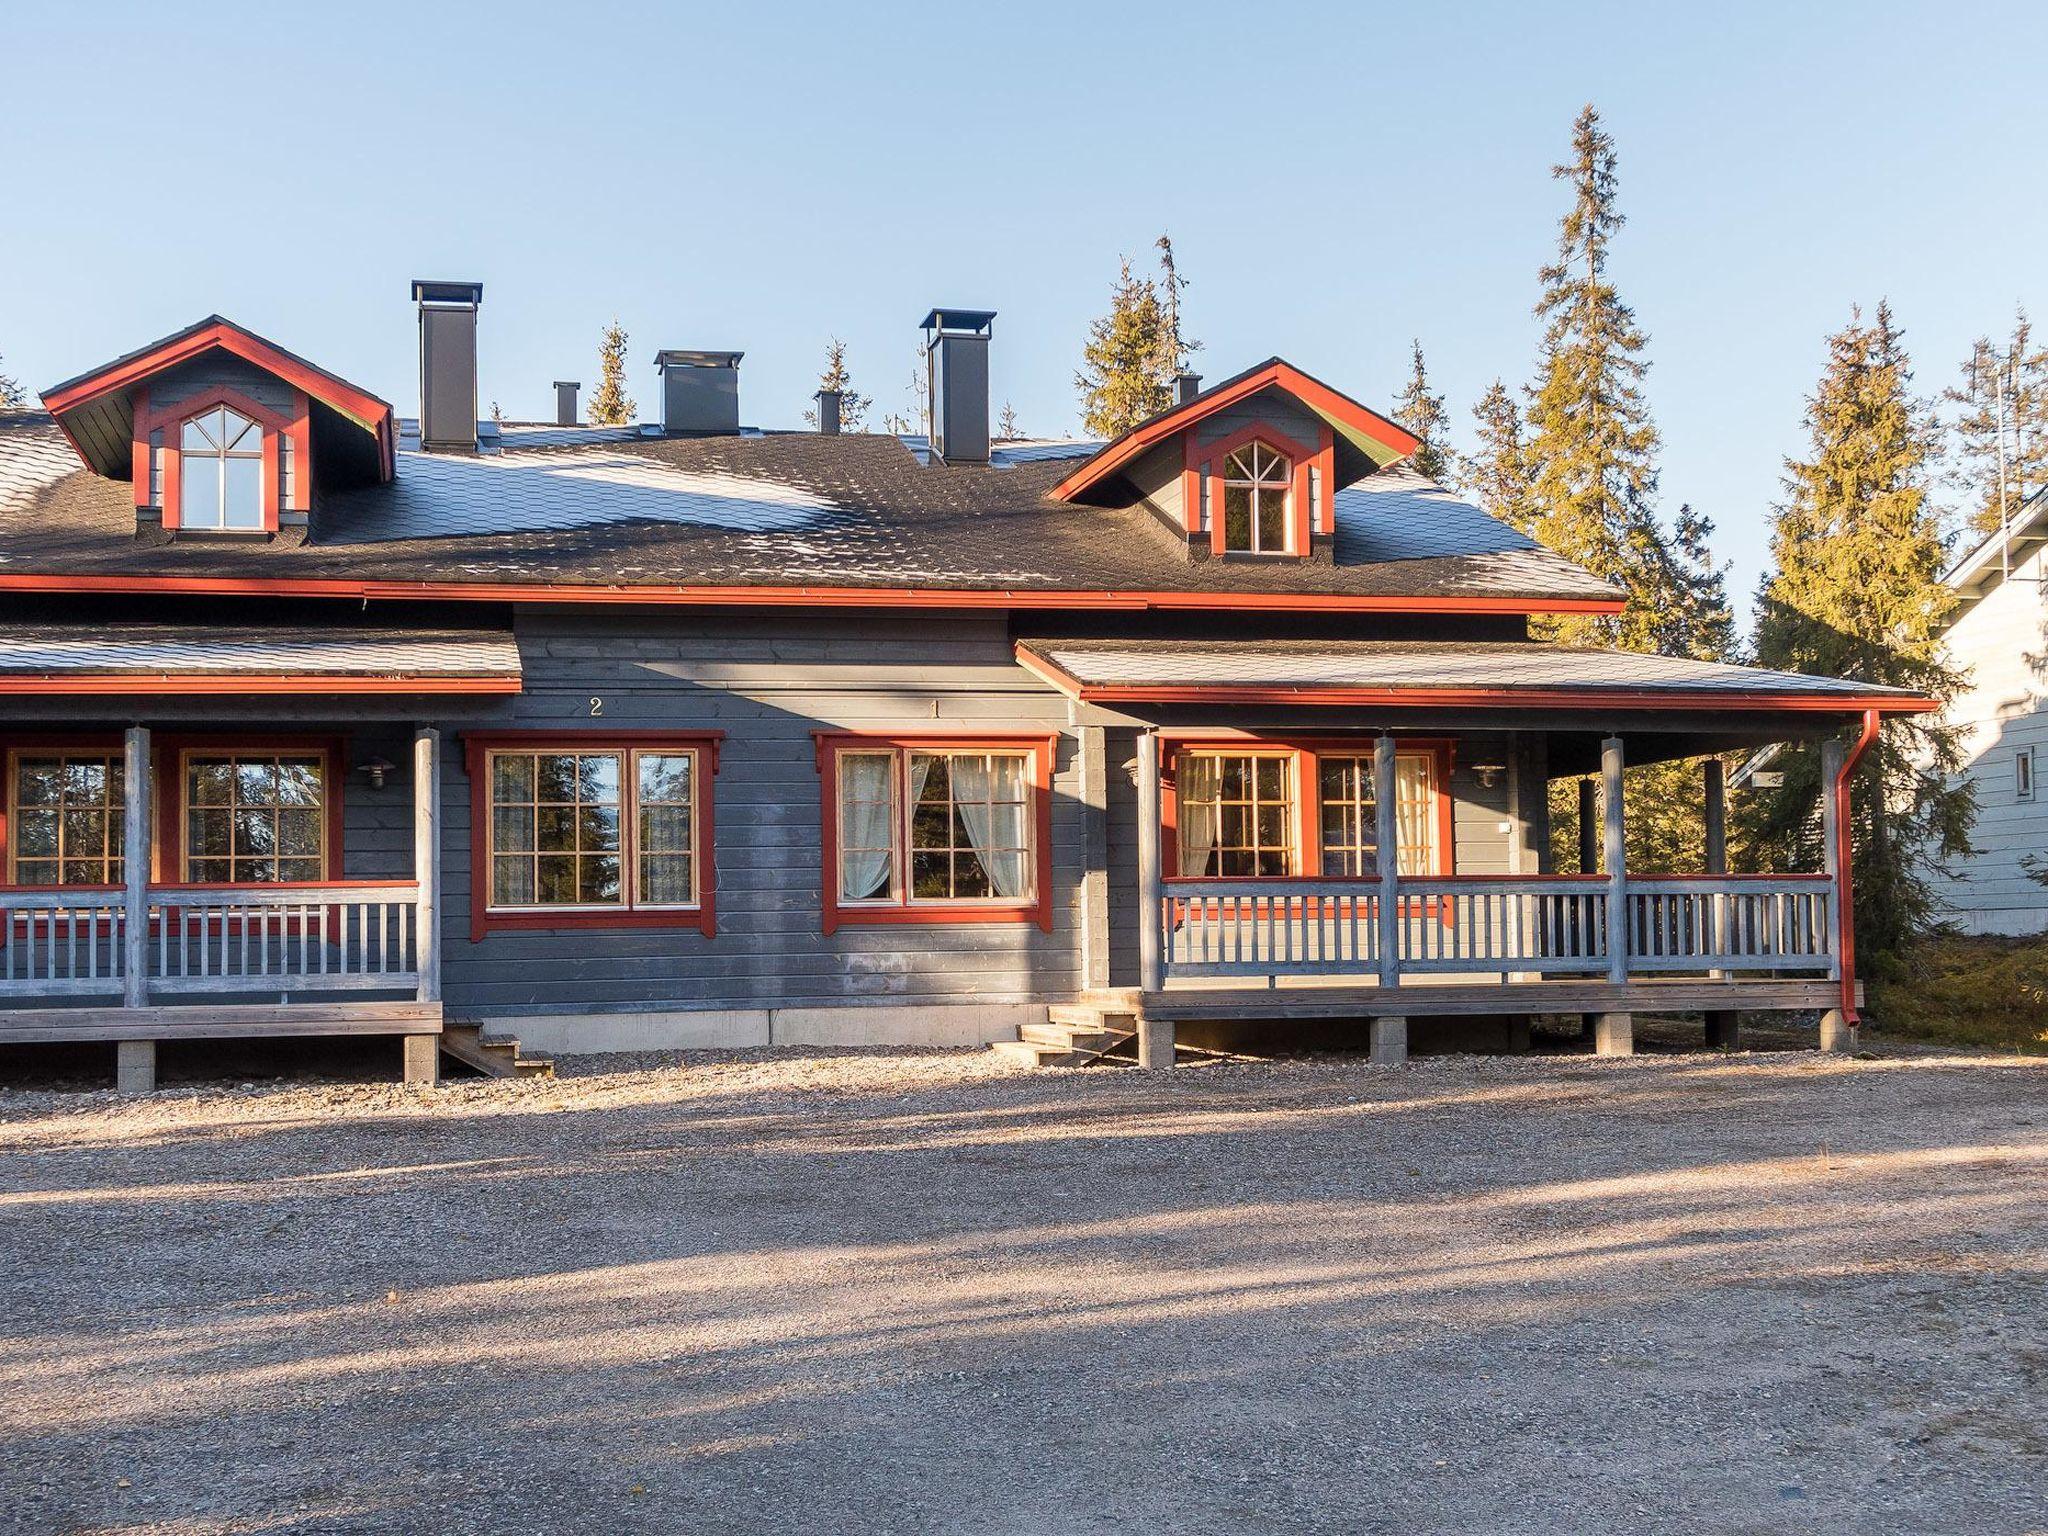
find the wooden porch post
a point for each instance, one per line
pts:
(1589, 828)
(1723, 1029)
(1151, 954)
(1614, 1033)
(1835, 1031)
(1095, 865)
(422, 1052)
(1387, 839)
(137, 793)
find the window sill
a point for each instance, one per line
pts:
(893, 916)
(527, 919)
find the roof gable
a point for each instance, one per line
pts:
(96, 411)
(1368, 435)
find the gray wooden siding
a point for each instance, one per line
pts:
(216, 368)
(1156, 475)
(768, 684)
(1267, 409)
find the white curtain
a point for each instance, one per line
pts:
(1199, 787)
(972, 785)
(865, 805)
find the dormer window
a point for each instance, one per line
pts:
(1256, 483)
(221, 471)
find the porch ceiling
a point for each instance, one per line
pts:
(190, 659)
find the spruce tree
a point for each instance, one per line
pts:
(1124, 376)
(1855, 591)
(1007, 427)
(610, 405)
(1178, 350)
(1496, 473)
(2019, 371)
(853, 406)
(12, 396)
(1422, 413)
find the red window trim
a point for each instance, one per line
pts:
(1305, 753)
(150, 417)
(1038, 747)
(167, 846)
(703, 915)
(1202, 464)
(94, 744)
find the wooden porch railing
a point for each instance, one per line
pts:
(1504, 924)
(231, 940)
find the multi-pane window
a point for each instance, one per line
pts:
(1255, 497)
(220, 471)
(255, 818)
(934, 825)
(67, 819)
(1236, 813)
(1350, 820)
(560, 824)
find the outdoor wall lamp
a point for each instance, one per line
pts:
(1488, 774)
(376, 768)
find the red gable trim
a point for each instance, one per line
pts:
(358, 405)
(1483, 698)
(1313, 393)
(804, 597)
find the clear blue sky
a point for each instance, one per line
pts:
(1337, 178)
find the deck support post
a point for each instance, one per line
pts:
(1155, 1043)
(136, 795)
(1387, 845)
(426, 861)
(422, 1060)
(1614, 1034)
(135, 1066)
(1836, 1032)
(1614, 845)
(1724, 1031)
(1151, 940)
(1389, 1042)
(1094, 757)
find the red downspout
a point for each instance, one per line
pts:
(1845, 917)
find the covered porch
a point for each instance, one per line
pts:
(257, 856)
(1326, 930)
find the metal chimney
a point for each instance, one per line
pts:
(700, 391)
(956, 347)
(1186, 386)
(447, 364)
(565, 402)
(828, 412)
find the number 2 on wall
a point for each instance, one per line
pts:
(596, 705)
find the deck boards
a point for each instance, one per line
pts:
(230, 1021)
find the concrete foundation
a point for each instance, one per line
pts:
(1836, 1032)
(721, 1029)
(135, 1066)
(1389, 1042)
(422, 1060)
(1155, 1043)
(1724, 1031)
(1614, 1034)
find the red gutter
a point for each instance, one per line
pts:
(807, 596)
(1845, 916)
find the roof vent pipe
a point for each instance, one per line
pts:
(700, 392)
(447, 364)
(828, 412)
(1186, 386)
(956, 347)
(565, 402)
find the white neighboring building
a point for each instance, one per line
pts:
(2000, 635)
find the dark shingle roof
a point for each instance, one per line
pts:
(171, 650)
(776, 509)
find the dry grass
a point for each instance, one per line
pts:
(1980, 993)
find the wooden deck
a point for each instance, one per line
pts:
(231, 1021)
(1490, 998)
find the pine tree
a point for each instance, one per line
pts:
(610, 405)
(1007, 427)
(1423, 414)
(1124, 377)
(853, 406)
(1496, 473)
(12, 396)
(1179, 351)
(1855, 591)
(1592, 445)
(2018, 371)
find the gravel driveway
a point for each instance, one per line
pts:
(926, 1292)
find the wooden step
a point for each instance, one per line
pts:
(492, 1055)
(1068, 1037)
(1092, 1016)
(1033, 1054)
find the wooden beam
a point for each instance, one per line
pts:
(426, 858)
(1095, 858)
(1489, 999)
(234, 1021)
(137, 795)
(1614, 845)
(1387, 840)
(1151, 941)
